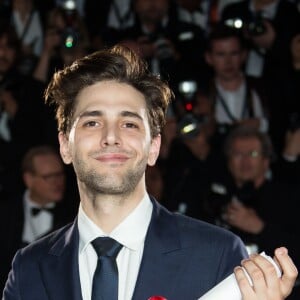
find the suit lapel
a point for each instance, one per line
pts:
(161, 266)
(59, 269)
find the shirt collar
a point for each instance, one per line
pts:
(126, 233)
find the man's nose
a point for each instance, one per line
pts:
(111, 135)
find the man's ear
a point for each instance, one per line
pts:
(28, 179)
(154, 150)
(64, 148)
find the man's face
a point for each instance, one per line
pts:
(110, 143)
(226, 57)
(47, 183)
(246, 162)
(7, 55)
(151, 10)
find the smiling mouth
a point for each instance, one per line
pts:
(112, 158)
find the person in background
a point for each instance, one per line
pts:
(172, 48)
(66, 39)
(110, 112)
(21, 109)
(235, 98)
(25, 19)
(38, 211)
(269, 32)
(194, 157)
(261, 210)
(203, 13)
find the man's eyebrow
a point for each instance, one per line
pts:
(99, 113)
(131, 114)
(91, 113)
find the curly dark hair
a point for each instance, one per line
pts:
(119, 64)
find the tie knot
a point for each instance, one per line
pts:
(106, 246)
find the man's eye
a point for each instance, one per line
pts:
(91, 124)
(130, 125)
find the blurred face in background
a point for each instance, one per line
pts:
(226, 57)
(246, 161)
(47, 183)
(151, 11)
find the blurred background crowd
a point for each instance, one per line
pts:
(230, 150)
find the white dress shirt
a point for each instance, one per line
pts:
(120, 15)
(34, 34)
(130, 233)
(35, 226)
(235, 102)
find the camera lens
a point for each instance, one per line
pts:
(69, 38)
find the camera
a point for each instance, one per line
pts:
(189, 124)
(163, 50)
(69, 38)
(254, 26)
(69, 35)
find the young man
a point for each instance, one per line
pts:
(110, 112)
(236, 100)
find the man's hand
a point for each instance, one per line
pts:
(243, 218)
(265, 40)
(266, 284)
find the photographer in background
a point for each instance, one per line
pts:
(170, 47)
(22, 119)
(236, 98)
(194, 155)
(66, 39)
(260, 210)
(269, 26)
(23, 16)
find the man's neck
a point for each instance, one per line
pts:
(108, 211)
(232, 84)
(37, 200)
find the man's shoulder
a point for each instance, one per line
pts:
(195, 231)
(193, 226)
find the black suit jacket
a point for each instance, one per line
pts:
(183, 258)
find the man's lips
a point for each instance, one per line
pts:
(113, 157)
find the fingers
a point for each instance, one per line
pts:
(288, 268)
(244, 283)
(260, 280)
(263, 274)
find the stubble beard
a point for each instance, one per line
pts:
(110, 184)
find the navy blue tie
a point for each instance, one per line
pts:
(105, 280)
